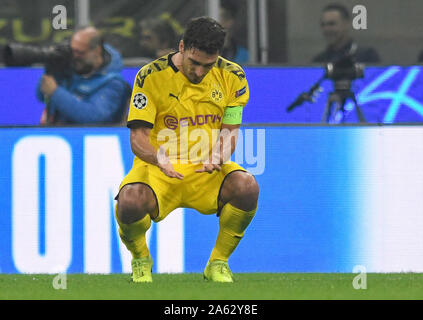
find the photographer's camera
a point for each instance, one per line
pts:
(57, 59)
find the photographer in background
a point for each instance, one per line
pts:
(94, 92)
(336, 28)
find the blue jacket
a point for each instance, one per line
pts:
(101, 98)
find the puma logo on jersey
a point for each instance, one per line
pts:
(173, 96)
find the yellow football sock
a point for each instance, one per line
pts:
(133, 236)
(232, 225)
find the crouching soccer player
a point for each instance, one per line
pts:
(177, 100)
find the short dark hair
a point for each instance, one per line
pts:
(343, 11)
(204, 34)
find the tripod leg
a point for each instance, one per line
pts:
(328, 109)
(357, 108)
(333, 107)
(340, 101)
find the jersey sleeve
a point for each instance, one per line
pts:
(143, 104)
(239, 91)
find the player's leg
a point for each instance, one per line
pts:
(238, 195)
(135, 203)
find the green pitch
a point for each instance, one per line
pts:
(248, 286)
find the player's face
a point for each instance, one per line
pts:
(334, 27)
(196, 64)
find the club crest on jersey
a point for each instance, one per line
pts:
(216, 95)
(139, 101)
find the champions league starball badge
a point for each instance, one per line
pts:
(140, 101)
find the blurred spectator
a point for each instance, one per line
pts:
(336, 28)
(95, 92)
(158, 37)
(232, 50)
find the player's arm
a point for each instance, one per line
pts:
(226, 141)
(231, 122)
(141, 119)
(142, 148)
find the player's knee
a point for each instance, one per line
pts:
(246, 191)
(133, 203)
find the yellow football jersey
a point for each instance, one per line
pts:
(185, 118)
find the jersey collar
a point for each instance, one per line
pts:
(170, 62)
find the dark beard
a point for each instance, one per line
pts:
(83, 68)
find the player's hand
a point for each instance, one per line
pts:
(48, 85)
(209, 167)
(168, 170)
(166, 166)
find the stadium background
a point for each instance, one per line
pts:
(332, 197)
